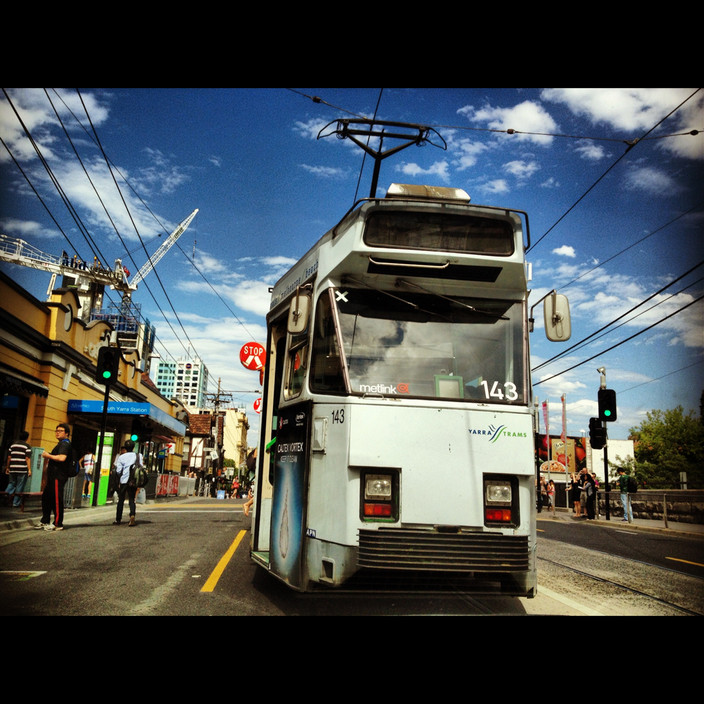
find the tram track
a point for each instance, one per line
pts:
(673, 601)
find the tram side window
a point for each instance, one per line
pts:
(326, 365)
(296, 364)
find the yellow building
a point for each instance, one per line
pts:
(48, 358)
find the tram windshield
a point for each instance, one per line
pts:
(420, 345)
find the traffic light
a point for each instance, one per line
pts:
(108, 365)
(597, 434)
(607, 405)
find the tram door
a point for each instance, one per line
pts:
(280, 518)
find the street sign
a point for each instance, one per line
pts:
(253, 356)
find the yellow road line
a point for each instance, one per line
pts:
(220, 568)
(687, 562)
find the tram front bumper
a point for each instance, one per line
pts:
(391, 548)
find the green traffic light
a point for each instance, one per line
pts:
(607, 413)
(134, 437)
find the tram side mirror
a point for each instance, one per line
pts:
(298, 313)
(556, 311)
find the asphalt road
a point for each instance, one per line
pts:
(191, 558)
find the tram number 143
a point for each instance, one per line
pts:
(501, 391)
(338, 416)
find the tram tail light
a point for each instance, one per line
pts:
(500, 500)
(379, 500)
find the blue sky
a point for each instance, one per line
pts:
(611, 225)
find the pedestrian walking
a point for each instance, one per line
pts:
(551, 495)
(87, 463)
(57, 465)
(625, 498)
(19, 468)
(126, 484)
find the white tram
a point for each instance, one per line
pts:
(397, 425)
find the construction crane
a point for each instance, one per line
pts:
(90, 282)
(165, 247)
(18, 251)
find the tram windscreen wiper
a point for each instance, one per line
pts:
(493, 314)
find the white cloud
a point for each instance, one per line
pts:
(565, 251)
(325, 171)
(635, 111)
(528, 116)
(467, 152)
(521, 169)
(650, 180)
(591, 151)
(439, 169)
(498, 185)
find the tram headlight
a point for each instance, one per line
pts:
(377, 486)
(379, 499)
(500, 501)
(498, 492)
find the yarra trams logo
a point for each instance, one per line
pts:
(494, 433)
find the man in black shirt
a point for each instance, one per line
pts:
(55, 470)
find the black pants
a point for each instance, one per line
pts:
(591, 506)
(131, 492)
(53, 500)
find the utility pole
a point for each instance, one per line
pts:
(216, 399)
(602, 385)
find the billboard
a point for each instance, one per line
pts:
(566, 457)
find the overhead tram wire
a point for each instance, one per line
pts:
(630, 246)
(660, 378)
(597, 336)
(163, 227)
(622, 342)
(92, 245)
(511, 131)
(630, 145)
(615, 320)
(129, 214)
(95, 139)
(54, 180)
(364, 153)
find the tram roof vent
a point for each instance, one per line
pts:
(405, 190)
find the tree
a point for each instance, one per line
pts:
(668, 443)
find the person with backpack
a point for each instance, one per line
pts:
(58, 466)
(125, 467)
(623, 480)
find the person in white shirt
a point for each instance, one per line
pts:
(125, 486)
(87, 463)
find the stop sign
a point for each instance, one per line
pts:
(253, 355)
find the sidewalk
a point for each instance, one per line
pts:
(691, 530)
(14, 518)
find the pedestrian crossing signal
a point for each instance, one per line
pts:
(108, 365)
(607, 405)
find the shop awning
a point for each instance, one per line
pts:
(14, 382)
(127, 408)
